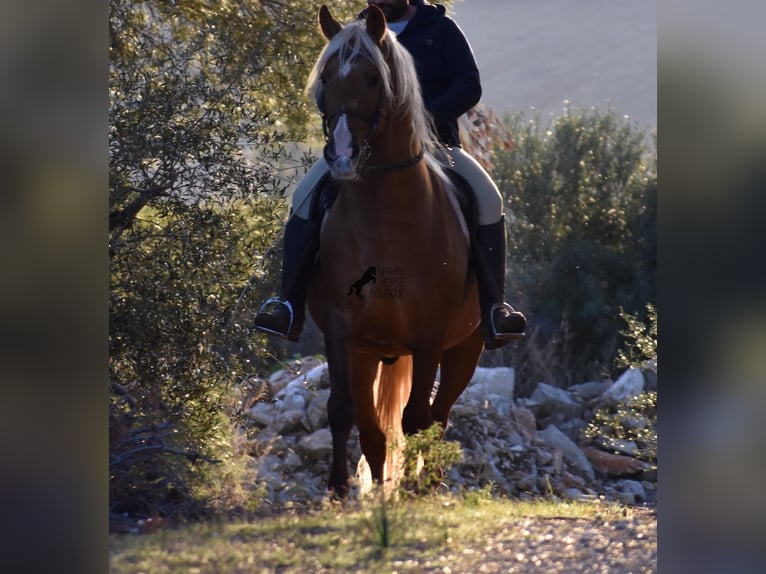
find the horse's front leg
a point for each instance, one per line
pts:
(417, 412)
(372, 438)
(340, 412)
(458, 365)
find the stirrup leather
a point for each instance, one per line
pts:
(275, 301)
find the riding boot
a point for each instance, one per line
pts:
(500, 322)
(284, 315)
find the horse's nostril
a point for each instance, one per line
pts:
(343, 166)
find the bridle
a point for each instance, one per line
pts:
(365, 149)
(329, 148)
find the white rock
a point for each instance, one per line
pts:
(270, 471)
(491, 387)
(292, 461)
(553, 400)
(319, 377)
(317, 445)
(590, 390)
(630, 384)
(571, 452)
(261, 413)
(290, 421)
(317, 410)
(293, 396)
(573, 494)
(632, 491)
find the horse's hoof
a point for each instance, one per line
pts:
(339, 492)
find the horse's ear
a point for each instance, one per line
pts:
(327, 23)
(376, 23)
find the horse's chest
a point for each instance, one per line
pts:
(390, 270)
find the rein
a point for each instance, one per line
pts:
(394, 165)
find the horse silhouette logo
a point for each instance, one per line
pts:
(367, 277)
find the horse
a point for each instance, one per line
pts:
(393, 212)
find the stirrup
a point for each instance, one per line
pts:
(275, 301)
(493, 329)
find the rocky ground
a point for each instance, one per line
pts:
(524, 447)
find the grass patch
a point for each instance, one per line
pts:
(417, 531)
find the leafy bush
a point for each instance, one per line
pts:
(177, 345)
(640, 347)
(581, 209)
(196, 184)
(427, 456)
(634, 421)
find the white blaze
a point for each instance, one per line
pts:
(342, 138)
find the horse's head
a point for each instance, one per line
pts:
(352, 86)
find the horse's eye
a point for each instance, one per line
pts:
(373, 81)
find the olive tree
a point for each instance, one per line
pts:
(205, 101)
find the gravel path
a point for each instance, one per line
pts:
(555, 546)
(566, 546)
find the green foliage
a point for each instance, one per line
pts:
(380, 524)
(204, 98)
(640, 341)
(634, 421)
(476, 496)
(581, 199)
(427, 448)
(176, 346)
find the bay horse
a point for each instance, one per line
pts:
(393, 212)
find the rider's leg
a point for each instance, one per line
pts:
(284, 315)
(501, 321)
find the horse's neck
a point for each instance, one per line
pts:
(394, 191)
(396, 144)
(398, 198)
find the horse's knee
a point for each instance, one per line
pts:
(440, 416)
(415, 419)
(340, 413)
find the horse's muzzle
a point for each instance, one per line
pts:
(342, 166)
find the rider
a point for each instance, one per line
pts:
(449, 80)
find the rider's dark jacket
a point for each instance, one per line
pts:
(446, 67)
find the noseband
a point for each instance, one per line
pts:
(329, 148)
